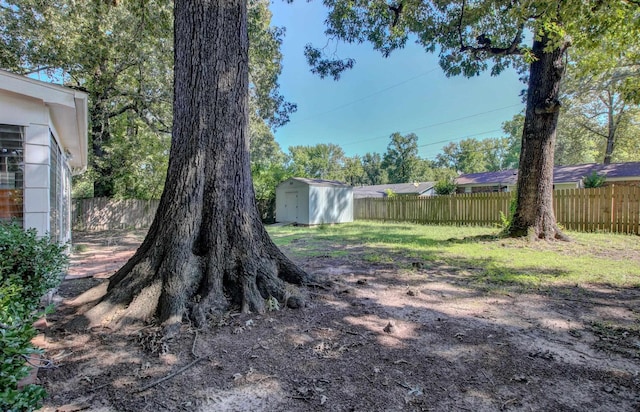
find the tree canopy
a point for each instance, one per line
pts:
(600, 117)
(401, 158)
(120, 53)
(473, 36)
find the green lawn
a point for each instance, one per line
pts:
(476, 253)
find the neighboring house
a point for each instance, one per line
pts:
(314, 201)
(43, 141)
(564, 177)
(400, 189)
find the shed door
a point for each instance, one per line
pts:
(291, 206)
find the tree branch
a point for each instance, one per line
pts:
(618, 118)
(462, 46)
(592, 130)
(397, 10)
(125, 108)
(36, 70)
(485, 42)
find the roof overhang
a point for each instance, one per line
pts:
(67, 110)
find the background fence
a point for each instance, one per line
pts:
(108, 214)
(482, 209)
(609, 209)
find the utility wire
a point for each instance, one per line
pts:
(452, 139)
(433, 124)
(366, 97)
(459, 138)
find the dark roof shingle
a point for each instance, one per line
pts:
(561, 174)
(398, 188)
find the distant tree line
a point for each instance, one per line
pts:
(122, 57)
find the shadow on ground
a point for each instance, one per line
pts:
(396, 335)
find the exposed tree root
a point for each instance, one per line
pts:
(168, 288)
(532, 234)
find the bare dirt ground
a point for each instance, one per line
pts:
(385, 338)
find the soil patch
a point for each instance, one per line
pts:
(390, 336)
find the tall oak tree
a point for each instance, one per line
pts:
(207, 249)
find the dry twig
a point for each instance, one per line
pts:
(171, 375)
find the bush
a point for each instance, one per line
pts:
(445, 187)
(506, 219)
(29, 267)
(593, 180)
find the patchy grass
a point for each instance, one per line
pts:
(478, 253)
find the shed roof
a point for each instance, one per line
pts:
(561, 174)
(67, 108)
(417, 188)
(318, 182)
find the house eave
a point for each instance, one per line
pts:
(67, 109)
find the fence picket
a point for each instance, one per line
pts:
(610, 209)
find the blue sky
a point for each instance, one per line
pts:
(406, 92)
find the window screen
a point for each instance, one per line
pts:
(55, 190)
(59, 194)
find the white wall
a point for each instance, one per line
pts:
(33, 115)
(330, 204)
(563, 186)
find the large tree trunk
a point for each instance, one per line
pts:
(534, 214)
(207, 249)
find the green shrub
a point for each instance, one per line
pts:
(506, 219)
(593, 180)
(29, 267)
(35, 264)
(445, 187)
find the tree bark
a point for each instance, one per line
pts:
(207, 249)
(103, 184)
(611, 128)
(534, 215)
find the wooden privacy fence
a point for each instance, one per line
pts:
(463, 209)
(108, 214)
(610, 209)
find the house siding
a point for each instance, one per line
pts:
(610, 182)
(483, 189)
(36, 117)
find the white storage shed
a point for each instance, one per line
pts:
(314, 201)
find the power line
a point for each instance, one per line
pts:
(451, 139)
(459, 138)
(434, 124)
(365, 97)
